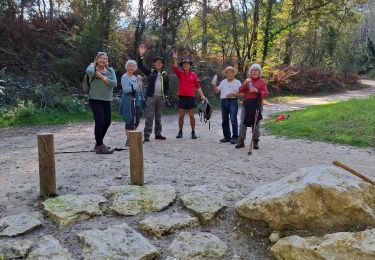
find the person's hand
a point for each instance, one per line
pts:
(141, 49)
(231, 95)
(214, 81)
(252, 89)
(99, 75)
(247, 80)
(203, 98)
(175, 56)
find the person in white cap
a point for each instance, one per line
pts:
(228, 89)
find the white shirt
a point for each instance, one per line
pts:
(227, 87)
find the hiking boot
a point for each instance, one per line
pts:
(233, 140)
(147, 139)
(179, 135)
(160, 137)
(240, 144)
(255, 144)
(102, 149)
(127, 142)
(96, 147)
(224, 140)
(193, 135)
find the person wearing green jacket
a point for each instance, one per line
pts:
(102, 81)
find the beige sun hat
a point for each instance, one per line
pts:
(235, 70)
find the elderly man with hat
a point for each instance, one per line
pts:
(187, 83)
(157, 89)
(228, 89)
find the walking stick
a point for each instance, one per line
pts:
(252, 134)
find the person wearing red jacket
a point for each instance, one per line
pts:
(254, 90)
(187, 84)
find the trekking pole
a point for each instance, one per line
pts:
(252, 134)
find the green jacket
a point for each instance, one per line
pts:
(98, 89)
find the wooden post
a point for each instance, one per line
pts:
(47, 175)
(136, 158)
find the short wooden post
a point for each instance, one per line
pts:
(136, 158)
(47, 174)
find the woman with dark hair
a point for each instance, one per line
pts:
(102, 81)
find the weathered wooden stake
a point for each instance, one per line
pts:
(136, 158)
(47, 174)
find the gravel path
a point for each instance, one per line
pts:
(182, 163)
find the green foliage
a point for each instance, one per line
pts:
(349, 122)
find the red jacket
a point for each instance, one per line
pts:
(187, 81)
(259, 84)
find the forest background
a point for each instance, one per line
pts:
(304, 46)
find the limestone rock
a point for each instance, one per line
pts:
(166, 224)
(206, 200)
(10, 249)
(117, 242)
(197, 246)
(337, 246)
(49, 248)
(130, 200)
(19, 224)
(322, 197)
(67, 209)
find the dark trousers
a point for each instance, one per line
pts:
(155, 107)
(102, 115)
(229, 108)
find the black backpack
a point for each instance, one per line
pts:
(205, 112)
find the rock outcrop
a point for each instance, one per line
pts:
(337, 246)
(320, 197)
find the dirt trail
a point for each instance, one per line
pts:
(182, 163)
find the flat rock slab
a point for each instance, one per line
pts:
(10, 249)
(206, 200)
(117, 242)
(49, 248)
(319, 197)
(19, 224)
(337, 246)
(166, 224)
(197, 246)
(130, 200)
(67, 209)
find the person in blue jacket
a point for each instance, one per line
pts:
(132, 98)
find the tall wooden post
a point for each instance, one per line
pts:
(47, 174)
(136, 158)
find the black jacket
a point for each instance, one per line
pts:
(152, 74)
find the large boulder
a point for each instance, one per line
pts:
(68, 209)
(322, 197)
(197, 246)
(11, 249)
(49, 248)
(337, 246)
(130, 200)
(117, 242)
(19, 224)
(166, 224)
(206, 200)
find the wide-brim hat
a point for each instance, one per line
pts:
(186, 60)
(159, 58)
(235, 70)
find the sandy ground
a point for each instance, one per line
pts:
(182, 163)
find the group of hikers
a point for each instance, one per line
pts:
(103, 80)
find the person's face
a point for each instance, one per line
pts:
(255, 74)
(102, 60)
(158, 64)
(229, 74)
(130, 69)
(186, 66)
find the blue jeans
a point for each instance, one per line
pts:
(229, 108)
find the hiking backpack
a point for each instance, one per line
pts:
(205, 112)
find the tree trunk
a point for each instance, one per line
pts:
(235, 37)
(140, 26)
(204, 28)
(51, 10)
(290, 37)
(266, 40)
(254, 35)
